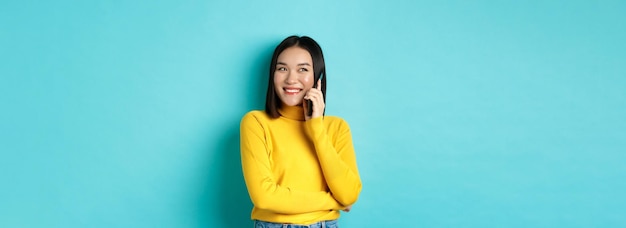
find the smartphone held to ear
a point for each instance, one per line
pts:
(309, 102)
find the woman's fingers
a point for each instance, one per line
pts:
(316, 96)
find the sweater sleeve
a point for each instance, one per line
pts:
(337, 159)
(264, 191)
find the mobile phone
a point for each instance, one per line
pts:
(309, 103)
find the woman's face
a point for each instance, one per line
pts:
(293, 76)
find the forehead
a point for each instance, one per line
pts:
(295, 55)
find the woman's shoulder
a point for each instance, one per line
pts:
(336, 121)
(334, 118)
(255, 114)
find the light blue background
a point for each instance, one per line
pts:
(463, 113)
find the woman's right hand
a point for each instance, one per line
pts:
(315, 96)
(347, 209)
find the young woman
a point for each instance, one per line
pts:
(299, 165)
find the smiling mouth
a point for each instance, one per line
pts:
(292, 91)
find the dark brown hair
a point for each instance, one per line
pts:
(272, 101)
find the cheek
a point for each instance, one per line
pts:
(307, 81)
(277, 80)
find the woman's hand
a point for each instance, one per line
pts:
(316, 96)
(347, 209)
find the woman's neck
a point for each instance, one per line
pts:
(292, 112)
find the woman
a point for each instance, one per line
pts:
(299, 165)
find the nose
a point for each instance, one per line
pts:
(291, 77)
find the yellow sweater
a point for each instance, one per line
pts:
(298, 171)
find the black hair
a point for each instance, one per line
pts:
(272, 101)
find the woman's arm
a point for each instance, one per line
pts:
(264, 191)
(337, 159)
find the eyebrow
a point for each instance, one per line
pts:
(299, 64)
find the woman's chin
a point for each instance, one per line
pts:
(292, 103)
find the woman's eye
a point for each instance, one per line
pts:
(304, 69)
(281, 69)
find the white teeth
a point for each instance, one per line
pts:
(292, 90)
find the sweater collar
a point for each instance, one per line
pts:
(292, 112)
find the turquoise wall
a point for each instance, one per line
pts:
(463, 113)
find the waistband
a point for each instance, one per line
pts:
(321, 224)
